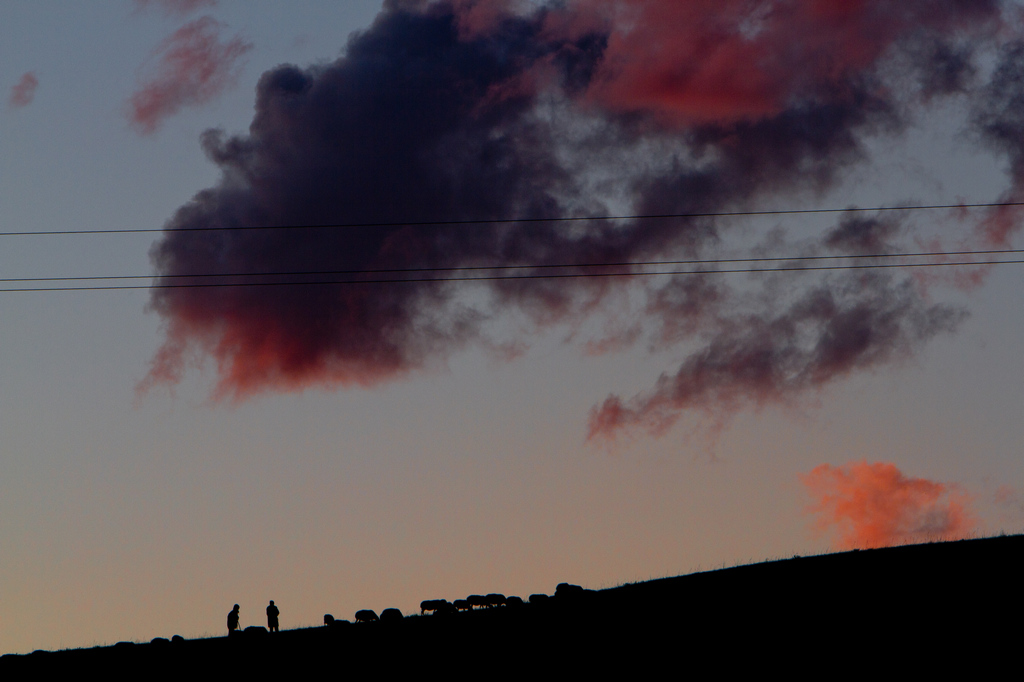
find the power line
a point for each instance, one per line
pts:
(577, 275)
(540, 266)
(500, 221)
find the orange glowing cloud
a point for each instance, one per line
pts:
(876, 505)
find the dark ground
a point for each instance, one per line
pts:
(922, 608)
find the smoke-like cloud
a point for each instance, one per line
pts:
(178, 7)
(831, 330)
(999, 122)
(1009, 504)
(458, 110)
(24, 91)
(193, 67)
(876, 505)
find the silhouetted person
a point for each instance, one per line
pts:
(272, 614)
(233, 620)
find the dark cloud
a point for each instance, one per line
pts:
(998, 121)
(999, 111)
(857, 234)
(949, 68)
(462, 110)
(193, 67)
(843, 325)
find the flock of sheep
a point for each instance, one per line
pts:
(473, 601)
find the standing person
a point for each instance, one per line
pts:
(272, 614)
(233, 620)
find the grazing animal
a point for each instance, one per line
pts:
(570, 594)
(513, 601)
(567, 590)
(539, 598)
(366, 616)
(476, 601)
(495, 600)
(432, 605)
(328, 619)
(462, 605)
(390, 615)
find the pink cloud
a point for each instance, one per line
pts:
(180, 7)
(876, 505)
(724, 61)
(24, 91)
(194, 67)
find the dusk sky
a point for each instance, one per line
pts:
(334, 442)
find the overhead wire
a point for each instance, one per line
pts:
(542, 266)
(485, 278)
(575, 273)
(506, 221)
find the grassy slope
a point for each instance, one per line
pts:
(936, 605)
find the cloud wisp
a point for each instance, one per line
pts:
(876, 505)
(24, 91)
(193, 66)
(176, 7)
(462, 110)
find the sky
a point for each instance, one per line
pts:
(166, 453)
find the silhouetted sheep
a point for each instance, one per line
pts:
(462, 605)
(539, 598)
(495, 600)
(366, 616)
(567, 591)
(476, 601)
(570, 594)
(390, 615)
(514, 601)
(328, 619)
(432, 605)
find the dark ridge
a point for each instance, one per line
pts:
(910, 608)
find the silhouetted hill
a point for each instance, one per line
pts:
(915, 607)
